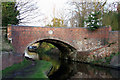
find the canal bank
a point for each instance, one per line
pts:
(108, 62)
(63, 71)
(27, 69)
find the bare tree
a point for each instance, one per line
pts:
(60, 17)
(81, 11)
(63, 15)
(29, 12)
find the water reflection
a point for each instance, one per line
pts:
(70, 70)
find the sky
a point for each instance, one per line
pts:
(47, 8)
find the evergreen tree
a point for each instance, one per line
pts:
(9, 13)
(94, 21)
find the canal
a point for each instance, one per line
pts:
(69, 70)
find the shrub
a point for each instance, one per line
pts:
(94, 21)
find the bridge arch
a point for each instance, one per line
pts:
(65, 47)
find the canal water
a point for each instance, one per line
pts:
(71, 70)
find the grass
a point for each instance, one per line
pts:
(16, 67)
(39, 70)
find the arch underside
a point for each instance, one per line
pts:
(66, 49)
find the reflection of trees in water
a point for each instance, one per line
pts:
(80, 70)
(91, 71)
(66, 69)
(32, 55)
(55, 66)
(53, 57)
(63, 72)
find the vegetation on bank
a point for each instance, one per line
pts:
(39, 70)
(6, 46)
(15, 67)
(5, 43)
(106, 60)
(43, 50)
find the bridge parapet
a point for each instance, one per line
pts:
(80, 38)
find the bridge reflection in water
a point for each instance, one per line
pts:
(64, 70)
(72, 70)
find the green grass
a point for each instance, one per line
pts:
(40, 70)
(14, 67)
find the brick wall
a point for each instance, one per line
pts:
(114, 38)
(23, 36)
(105, 50)
(9, 58)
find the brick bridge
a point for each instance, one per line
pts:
(72, 42)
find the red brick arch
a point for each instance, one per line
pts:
(23, 36)
(51, 40)
(42, 39)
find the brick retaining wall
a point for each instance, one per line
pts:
(9, 58)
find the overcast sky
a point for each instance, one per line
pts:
(47, 6)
